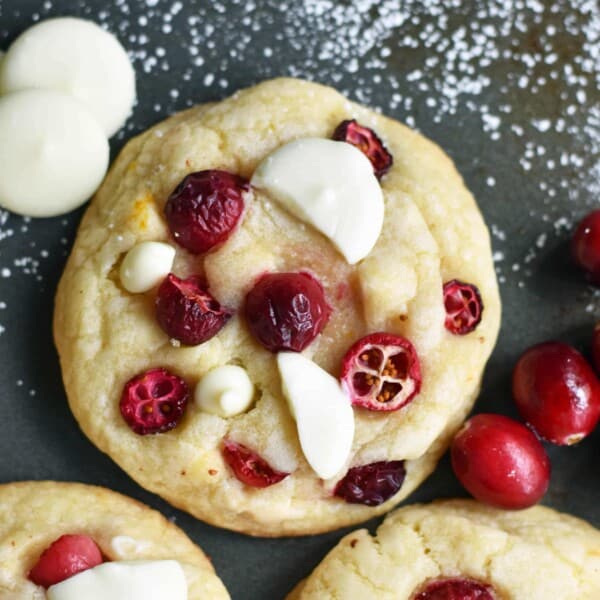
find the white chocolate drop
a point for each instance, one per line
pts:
(145, 266)
(75, 57)
(329, 185)
(53, 153)
(225, 391)
(323, 413)
(125, 580)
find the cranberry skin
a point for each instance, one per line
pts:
(463, 305)
(368, 142)
(382, 372)
(371, 484)
(65, 557)
(596, 347)
(585, 246)
(500, 462)
(187, 312)
(250, 468)
(557, 392)
(204, 209)
(154, 401)
(456, 588)
(286, 311)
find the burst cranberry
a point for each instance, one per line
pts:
(371, 484)
(585, 246)
(557, 392)
(500, 462)
(286, 311)
(65, 557)
(249, 467)
(463, 307)
(187, 312)
(367, 141)
(154, 401)
(204, 209)
(381, 372)
(596, 347)
(456, 588)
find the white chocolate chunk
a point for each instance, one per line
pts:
(125, 580)
(323, 413)
(124, 546)
(225, 391)
(329, 185)
(78, 58)
(145, 266)
(53, 153)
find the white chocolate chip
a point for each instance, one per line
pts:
(329, 185)
(124, 546)
(323, 413)
(145, 266)
(126, 580)
(225, 391)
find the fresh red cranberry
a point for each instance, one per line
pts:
(557, 392)
(154, 401)
(585, 246)
(596, 348)
(381, 372)
(367, 141)
(500, 462)
(249, 467)
(463, 307)
(371, 484)
(204, 209)
(456, 588)
(187, 312)
(65, 557)
(286, 311)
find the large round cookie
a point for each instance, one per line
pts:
(432, 233)
(533, 554)
(37, 513)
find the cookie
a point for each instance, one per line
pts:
(474, 550)
(249, 470)
(122, 528)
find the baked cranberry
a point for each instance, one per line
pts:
(204, 209)
(456, 588)
(286, 311)
(65, 557)
(557, 392)
(371, 484)
(463, 307)
(367, 141)
(154, 401)
(187, 312)
(381, 372)
(585, 246)
(249, 467)
(500, 462)
(596, 347)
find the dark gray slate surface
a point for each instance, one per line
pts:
(509, 89)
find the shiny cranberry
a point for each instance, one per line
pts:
(367, 141)
(500, 462)
(249, 467)
(154, 401)
(585, 246)
(187, 312)
(456, 588)
(596, 348)
(65, 557)
(381, 372)
(371, 484)
(204, 209)
(463, 307)
(557, 392)
(286, 311)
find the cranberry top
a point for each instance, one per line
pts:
(456, 588)
(249, 467)
(204, 209)
(463, 305)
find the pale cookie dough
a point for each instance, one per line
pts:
(124, 529)
(533, 554)
(432, 232)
